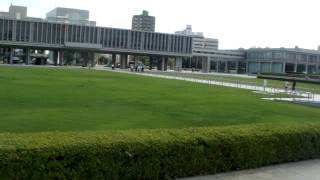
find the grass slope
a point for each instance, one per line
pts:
(43, 99)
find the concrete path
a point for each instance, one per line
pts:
(307, 170)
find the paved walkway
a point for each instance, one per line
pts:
(307, 170)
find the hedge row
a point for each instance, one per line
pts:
(154, 154)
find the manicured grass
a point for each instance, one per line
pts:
(59, 99)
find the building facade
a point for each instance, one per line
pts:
(60, 37)
(143, 22)
(207, 58)
(280, 60)
(70, 16)
(199, 41)
(223, 61)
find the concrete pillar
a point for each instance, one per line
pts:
(123, 61)
(226, 69)
(317, 65)
(178, 63)
(247, 67)
(284, 67)
(27, 56)
(91, 59)
(114, 58)
(84, 58)
(61, 58)
(55, 57)
(135, 61)
(163, 62)
(151, 63)
(11, 56)
(218, 66)
(166, 63)
(205, 64)
(295, 67)
(307, 65)
(306, 68)
(237, 67)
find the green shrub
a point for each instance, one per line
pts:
(154, 154)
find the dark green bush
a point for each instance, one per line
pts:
(154, 154)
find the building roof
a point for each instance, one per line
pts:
(301, 50)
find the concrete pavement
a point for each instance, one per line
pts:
(306, 170)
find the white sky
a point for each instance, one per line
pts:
(236, 23)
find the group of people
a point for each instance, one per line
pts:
(136, 68)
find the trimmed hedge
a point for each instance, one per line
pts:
(154, 154)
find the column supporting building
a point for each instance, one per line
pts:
(55, 57)
(205, 64)
(226, 68)
(237, 66)
(178, 63)
(247, 67)
(11, 56)
(27, 56)
(123, 61)
(113, 60)
(61, 58)
(91, 59)
(295, 66)
(164, 62)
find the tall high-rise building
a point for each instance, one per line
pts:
(17, 12)
(71, 16)
(143, 22)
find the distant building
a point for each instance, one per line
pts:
(18, 12)
(199, 41)
(143, 22)
(70, 16)
(280, 60)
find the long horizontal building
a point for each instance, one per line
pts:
(55, 35)
(255, 60)
(27, 34)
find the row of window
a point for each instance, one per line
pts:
(283, 56)
(53, 33)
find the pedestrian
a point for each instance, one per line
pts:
(112, 66)
(131, 67)
(286, 86)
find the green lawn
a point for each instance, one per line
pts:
(58, 99)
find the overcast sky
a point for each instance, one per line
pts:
(236, 23)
